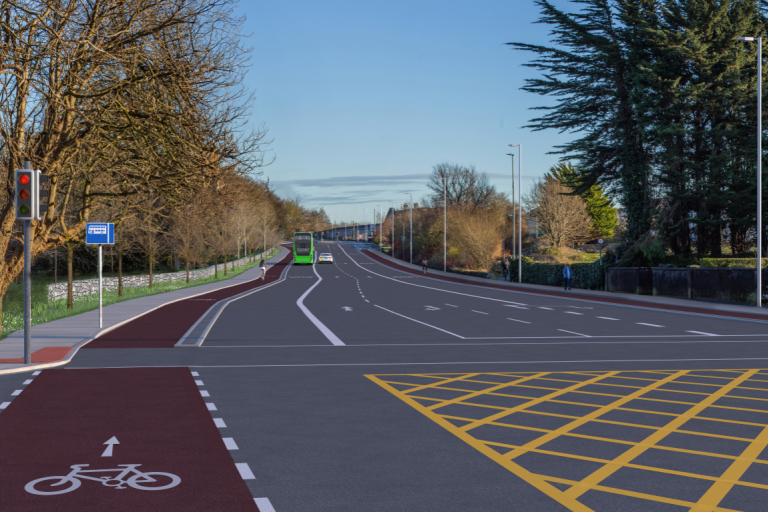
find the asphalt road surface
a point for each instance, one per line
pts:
(358, 387)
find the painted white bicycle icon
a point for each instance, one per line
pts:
(150, 481)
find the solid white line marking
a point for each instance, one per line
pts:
(572, 313)
(542, 307)
(312, 318)
(199, 383)
(245, 471)
(264, 505)
(704, 333)
(16, 393)
(451, 305)
(219, 423)
(36, 373)
(478, 312)
(211, 407)
(649, 325)
(521, 321)
(577, 333)
(28, 381)
(195, 374)
(511, 306)
(230, 443)
(4, 405)
(607, 318)
(419, 322)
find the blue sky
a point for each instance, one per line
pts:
(361, 99)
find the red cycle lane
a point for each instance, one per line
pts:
(165, 326)
(151, 424)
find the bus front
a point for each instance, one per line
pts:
(303, 251)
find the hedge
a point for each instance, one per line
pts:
(585, 275)
(730, 262)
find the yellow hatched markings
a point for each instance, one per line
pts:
(732, 380)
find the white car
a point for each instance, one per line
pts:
(325, 257)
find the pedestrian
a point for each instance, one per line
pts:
(263, 267)
(424, 263)
(504, 269)
(567, 275)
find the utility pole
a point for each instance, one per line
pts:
(410, 244)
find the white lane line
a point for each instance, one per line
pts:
(230, 443)
(36, 373)
(704, 333)
(550, 309)
(419, 322)
(28, 381)
(572, 313)
(649, 325)
(264, 505)
(16, 393)
(451, 305)
(481, 312)
(199, 383)
(576, 333)
(511, 306)
(521, 321)
(245, 471)
(312, 318)
(211, 407)
(204, 393)
(195, 374)
(4, 405)
(607, 318)
(219, 422)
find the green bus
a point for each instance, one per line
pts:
(303, 250)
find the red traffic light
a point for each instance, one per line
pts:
(24, 179)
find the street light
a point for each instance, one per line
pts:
(759, 165)
(392, 242)
(520, 210)
(513, 203)
(410, 244)
(445, 224)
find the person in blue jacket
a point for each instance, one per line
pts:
(567, 275)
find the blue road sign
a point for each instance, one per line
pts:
(99, 233)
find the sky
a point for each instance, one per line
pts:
(362, 99)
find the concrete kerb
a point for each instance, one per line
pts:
(657, 304)
(73, 351)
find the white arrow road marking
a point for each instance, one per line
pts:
(346, 308)
(110, 444)
(431, 308)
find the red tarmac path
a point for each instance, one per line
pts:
(593, 298)
(165, 326)
(158, 416)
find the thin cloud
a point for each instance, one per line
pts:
(355, 181)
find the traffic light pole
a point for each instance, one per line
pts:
(27, 285)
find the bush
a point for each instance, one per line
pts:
(589, 276)
(730, 262)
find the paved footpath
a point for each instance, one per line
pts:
(55, 343)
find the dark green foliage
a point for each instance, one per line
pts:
(585, 275)
(604, 216)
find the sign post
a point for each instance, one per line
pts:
(601, 241)
(100, 234)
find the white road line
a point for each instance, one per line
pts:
(264, 505)
(451, 305)
(245, 471)
(420, 322)
(521, 321)
(36, 373)
(607, 318)
(211, 407)
(704, 333)
(4, 405)
(28, 381)
(550, 309)
(199, 383)
(511, 306)
(312, 318)
(204, 393)
(230, 443)
(576, 333)
(16, 393)
(219, 422)
(572, 313)
(195, 374)
(649, 325)
(481, 312)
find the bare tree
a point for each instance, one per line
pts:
(466, 188)
(564, 218)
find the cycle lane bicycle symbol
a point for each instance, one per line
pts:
(126, 474)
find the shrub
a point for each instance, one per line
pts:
(585, 275)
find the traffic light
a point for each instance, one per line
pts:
(41, 196)
(26, 194)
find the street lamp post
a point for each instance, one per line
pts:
(392, 242)
(520, 210)
(381, 232)
(513, 204)
(445, 224)
(759, 165)
(410, 244)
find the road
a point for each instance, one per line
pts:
(361, 387)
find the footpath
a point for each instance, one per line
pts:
(56, 343)
(618, 298)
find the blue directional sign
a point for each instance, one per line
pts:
(99, 233)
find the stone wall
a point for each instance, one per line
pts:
(91, 286)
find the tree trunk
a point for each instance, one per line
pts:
(187, 269)
(70, 254)
(55, 267)
(216, 266)
(150, 263)
(119, 272)
(225, 264)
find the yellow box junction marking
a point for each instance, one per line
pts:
(710, 400)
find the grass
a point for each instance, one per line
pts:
(44, 311)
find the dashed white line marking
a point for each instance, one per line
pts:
(195, 374)
(703, 333)
(199, 383)
(16, 393)
(649, 325)
(4, 405)
(230, 443)
(511, 306)
(211, 407)
(245, 471)
(521, 321)
(482, 313)
(204, 393)
(28, 381)
(451, 305)
(607, 318)
(576, 333)
(264, 505)
(36, 373)
(219, 423)
(572, 313)
(542, 307)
